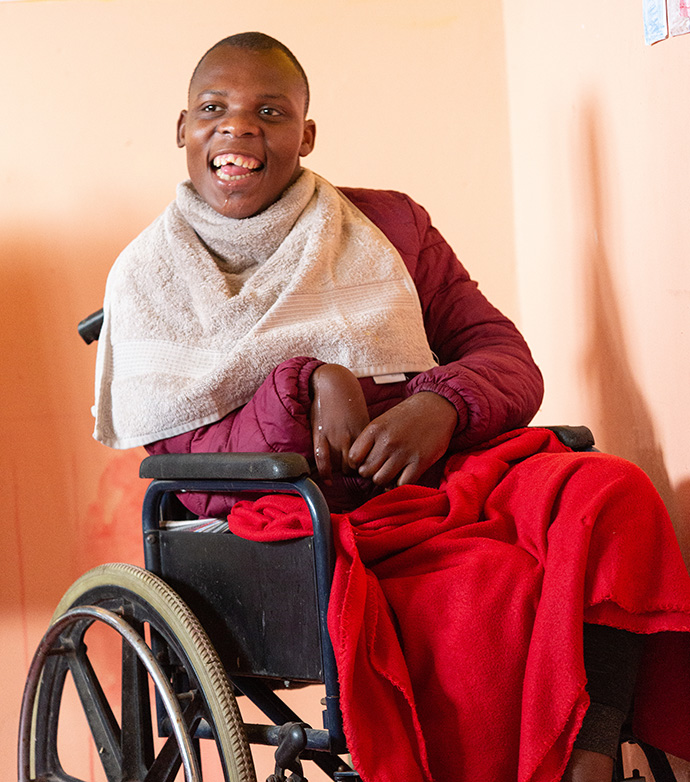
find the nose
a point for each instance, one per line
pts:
(237, 124)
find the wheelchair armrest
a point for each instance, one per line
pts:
(224, 466)
(579, 438)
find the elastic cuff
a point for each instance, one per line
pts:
(304, 376)
(448, 394)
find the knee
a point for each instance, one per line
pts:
(610, 491)
(604, 474)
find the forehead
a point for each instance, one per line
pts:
(232, 68)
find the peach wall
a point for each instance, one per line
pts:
(601, 171)
(406, 95)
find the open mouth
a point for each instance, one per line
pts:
(231, 168)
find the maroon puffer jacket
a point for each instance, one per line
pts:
(485, 367)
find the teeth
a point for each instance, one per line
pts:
(236, 160)
(228, 178)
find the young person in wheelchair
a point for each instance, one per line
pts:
(266, 310)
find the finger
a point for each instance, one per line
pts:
(388, 472)
(380, 452)
(322, 457)
(410, 474)
(345, 464)
(360, 448)
(375, 460)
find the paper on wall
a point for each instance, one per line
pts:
(678, 16)
(655, 26)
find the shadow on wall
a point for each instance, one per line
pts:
(53, 467)
(624, 425)
(683, 505)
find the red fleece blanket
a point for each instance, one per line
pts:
(456, 613)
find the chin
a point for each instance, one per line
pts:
(238, 211)
(241, 201)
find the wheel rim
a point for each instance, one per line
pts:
(130, 601)
(63, 638)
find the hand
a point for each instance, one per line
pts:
(406, 440)
(338, 415)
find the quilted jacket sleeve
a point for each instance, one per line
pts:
(276, 420)
(485, 367)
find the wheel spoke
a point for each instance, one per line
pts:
(137, 734)
(179, 665)
(167, 763)
(99, 715)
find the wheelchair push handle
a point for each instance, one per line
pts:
(90, 328)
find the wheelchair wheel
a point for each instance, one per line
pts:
(165, 653)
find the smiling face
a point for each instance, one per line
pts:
(244, 129)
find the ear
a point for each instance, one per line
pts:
(308, 138)
(181, 122)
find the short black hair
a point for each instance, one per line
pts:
(258, 42)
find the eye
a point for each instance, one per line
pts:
(269, 111)
(210, 107)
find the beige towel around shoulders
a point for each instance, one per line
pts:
(200, 308)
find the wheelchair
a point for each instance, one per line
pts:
(211, 618)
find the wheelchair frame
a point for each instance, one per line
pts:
(233, 473)
(190, 670)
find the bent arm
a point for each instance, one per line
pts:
(275, 420)
(486, 369)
